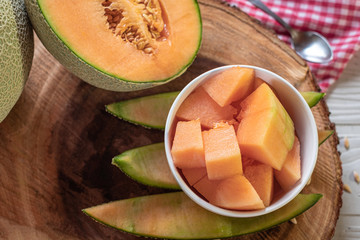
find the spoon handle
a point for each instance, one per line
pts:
(259, 4)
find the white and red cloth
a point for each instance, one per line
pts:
(337, 20)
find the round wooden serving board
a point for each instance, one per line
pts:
(57, 143)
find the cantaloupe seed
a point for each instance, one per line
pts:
(236, 193)
(230, 85)
(140, 30)
(222, 152)
(188, 149)
(291, 170)
(199, 105)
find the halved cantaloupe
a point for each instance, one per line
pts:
(199, 105)
(237, 193)
(222, 153)
(231, 85)
(188, 149)
(266, 131)
(120, 45)
(291, 170)
(261, 178)
(16, 53)
(193, 175)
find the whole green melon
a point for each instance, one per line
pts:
(16, 52)
(120, 45)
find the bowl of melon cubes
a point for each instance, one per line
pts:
(241, 141)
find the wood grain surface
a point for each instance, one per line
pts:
(57, 144)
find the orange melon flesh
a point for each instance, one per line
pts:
(82, 26)
(188, 149)
(260, 139)
(291, 170)
(193, 175)
(237, 193)
(199, 105)
(222, 153)
(266, 132)
(206, 188)
(261, 178)
(257, 82)
(230, 85)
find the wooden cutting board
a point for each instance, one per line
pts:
(57, 144)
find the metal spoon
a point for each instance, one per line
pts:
(311, 46)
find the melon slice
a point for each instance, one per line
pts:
(261, 178)
(175, 216)
(193, 175)
(290, 173)
(120, 45)
(231, 85)
(147, 165)
(141, 110)
(266, 132)
(237, 193)
(222, 153)
(199, 105)
(188, 148)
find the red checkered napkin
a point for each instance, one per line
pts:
(337, 20)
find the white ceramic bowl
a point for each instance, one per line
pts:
(305, 128)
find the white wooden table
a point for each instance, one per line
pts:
(343, 99)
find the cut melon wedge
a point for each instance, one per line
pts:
(231, 85)
(261, 177)
(147, 165)
(312, 98)
(132, 110)
(175, 216)
(236, 193)
(141, 110)
(290, 173)
(199, 105)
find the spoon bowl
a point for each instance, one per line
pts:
(311, 46)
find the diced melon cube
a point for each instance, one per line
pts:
(236, 193)
(188, 149)
(266, 132)
(230, 85)
(199, 105)
(261, 178)
(222, 152)
(290, 173)
(193, 175)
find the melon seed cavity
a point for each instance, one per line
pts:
(138, 22)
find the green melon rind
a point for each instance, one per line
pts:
(147, 165)
(150, 111)
(161, 103)
(16, 53)
(324, 135)
(175, 216)
(58, 47)
(312, 98)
